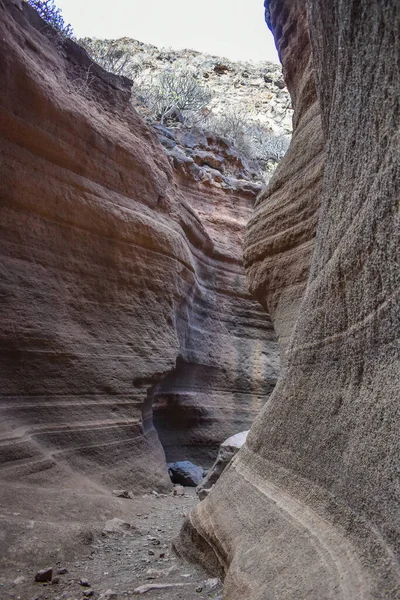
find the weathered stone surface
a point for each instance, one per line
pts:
(122, 285)
(279, 240)
(228, 449)
(310, 506)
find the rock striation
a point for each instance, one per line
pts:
(122, 284)
(309, 507)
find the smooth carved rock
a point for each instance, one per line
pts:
(122, 288)
(310, 506)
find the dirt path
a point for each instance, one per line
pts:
(122, 562)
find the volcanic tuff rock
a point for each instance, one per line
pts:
(310, 506)
(122, 285)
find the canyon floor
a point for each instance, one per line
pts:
(117, 562)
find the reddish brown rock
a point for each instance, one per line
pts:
(122, 284)
(278, 262)
(310, 506)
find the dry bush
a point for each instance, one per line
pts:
(172, 94)
(114, 56)
(253, 139)
(50, 13)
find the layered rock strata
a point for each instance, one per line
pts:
(309, 508)
(122, 283)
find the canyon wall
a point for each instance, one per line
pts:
(122, 284)
(309, 508)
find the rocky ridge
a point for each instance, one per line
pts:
(256, 90)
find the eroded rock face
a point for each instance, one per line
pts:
(122, 284)
(310, 506)
(227, 450)
(278, 262)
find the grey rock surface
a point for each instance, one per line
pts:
(185, 473)
(228, 449)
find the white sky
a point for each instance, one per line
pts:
(232, 28)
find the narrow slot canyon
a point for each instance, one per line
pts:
(200, 324)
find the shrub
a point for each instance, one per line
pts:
(182, 90)
(50, 13)
(114, 56)
(255, 141)
(172, 94)
(266, 146)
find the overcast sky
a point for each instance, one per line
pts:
(231, 28)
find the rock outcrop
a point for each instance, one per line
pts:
(309, 508)
(122, 283)
(227, 450)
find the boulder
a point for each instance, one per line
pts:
(226, 452)
(185, 473)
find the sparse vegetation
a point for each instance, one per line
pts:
(50, 13)
(254, 140)
(113, 55)
(178, 93)
(172, 95)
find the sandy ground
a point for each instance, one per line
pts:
(121, 562)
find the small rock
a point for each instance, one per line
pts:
(44, 575)
(62, 571)
(84, 582)
(88, 593)
(122, 494)
(151, 552)
(19, 580)
(153, 573)
(279, 84)
(116, 526)
(221, 69)
(156, 586)
(212, 584)
(199, 589)
(55, 580)
(227, 450)
(108, 595)
(178, 490)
